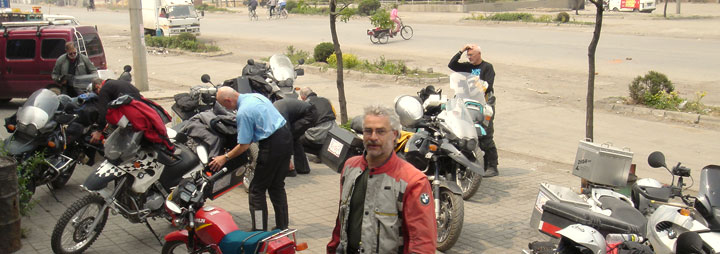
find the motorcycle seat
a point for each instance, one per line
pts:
(562, 215)
(176, 168)
(621, 210)
(242, 242)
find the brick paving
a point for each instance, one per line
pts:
(496, 218)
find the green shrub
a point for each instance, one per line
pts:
(381, 18)
(651, 84)
(291, 5)
(663, 100)
(545, 18)
(186, 41)
(297, 54)
(186, 37)
(562, 17)
(512, 16)
(304, 8)
(323, 51)
(367, 7)
(384, 66)
(349, 60)
(25, 170)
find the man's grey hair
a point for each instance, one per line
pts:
(378, 110)
(305, 91)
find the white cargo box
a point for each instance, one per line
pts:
(556, 193)
(602, 164)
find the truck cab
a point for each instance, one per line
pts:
(170, 17)
(31, 48)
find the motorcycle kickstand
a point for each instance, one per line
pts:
(153, 232)
(52, 192)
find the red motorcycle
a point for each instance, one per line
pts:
(209, 229)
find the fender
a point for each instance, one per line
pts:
(457, 156)
(178, 235)
(19, 144)
(452, 186)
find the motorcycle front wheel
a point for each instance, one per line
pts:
(173, 247)
(72, 233)
(450, 220)
(468, 181)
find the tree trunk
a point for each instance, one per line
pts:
(591, 69)
(338, 53)
(665, 10)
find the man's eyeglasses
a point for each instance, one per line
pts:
(379, 132)
(72, 54)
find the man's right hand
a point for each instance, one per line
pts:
(96, 136)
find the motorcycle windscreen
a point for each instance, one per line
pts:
(468, 86)
(458, 120)
(122, 145)
(37, 111)
(709, 184)
(282, 67)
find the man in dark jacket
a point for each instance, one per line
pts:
(300, 116)
(315, 136)
(485, 71)
(110, 90)
(69, 65)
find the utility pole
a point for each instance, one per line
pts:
(140, 75)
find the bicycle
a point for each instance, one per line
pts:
(381, 36)
(253, 15)
(282, 14)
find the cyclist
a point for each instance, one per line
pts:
(394, 17)
(252, 5)
(281, 6)
(271, 6)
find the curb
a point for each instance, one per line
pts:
(685, 117)
(356, 75)
(160, 50)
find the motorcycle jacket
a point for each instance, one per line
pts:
(325, 110)
(399, 212)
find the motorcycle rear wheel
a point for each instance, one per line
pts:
(450, 220)
(374, 39)
(73, 222)
(468, 181)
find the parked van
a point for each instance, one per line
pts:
(631, 5)
(170, 17)
(30, 49)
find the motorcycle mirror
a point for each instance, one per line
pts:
(656, 159)
(127, 68)
(301, 61)
(173, 207)
(300, 72)
(251, 62)
(205, 78)
(202, 154)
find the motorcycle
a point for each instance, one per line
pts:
(211, 229)
(143, 174)
(441, 145)
(41, 125)
(697, 217)
(280, 74)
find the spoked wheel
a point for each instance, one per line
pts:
(72, 233)
(175, 247)
(406, 32)
(374, 39)
(250, 167)
(468, 181)
(284, 14)
(450, 220)
(383, 38)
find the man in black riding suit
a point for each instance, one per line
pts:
(485, 71)
(315, 136)
(300, 116)
(252, 5)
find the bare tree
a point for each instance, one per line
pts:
(591, 69)
(344, 14)
(665, 9)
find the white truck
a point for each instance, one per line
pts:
(631, 5)
(170, 17)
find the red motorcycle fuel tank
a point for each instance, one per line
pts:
(213, 223)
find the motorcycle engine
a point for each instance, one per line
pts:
(154, 201)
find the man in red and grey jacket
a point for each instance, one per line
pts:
(386, 204)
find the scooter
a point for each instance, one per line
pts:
(212, 229)
(671, 225)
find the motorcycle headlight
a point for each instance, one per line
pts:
(471, 145)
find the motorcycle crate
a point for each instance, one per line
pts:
(602, 164)
(227, 182)
(550, 192)
(339, 146)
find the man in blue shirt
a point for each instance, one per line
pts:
(259, 121)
